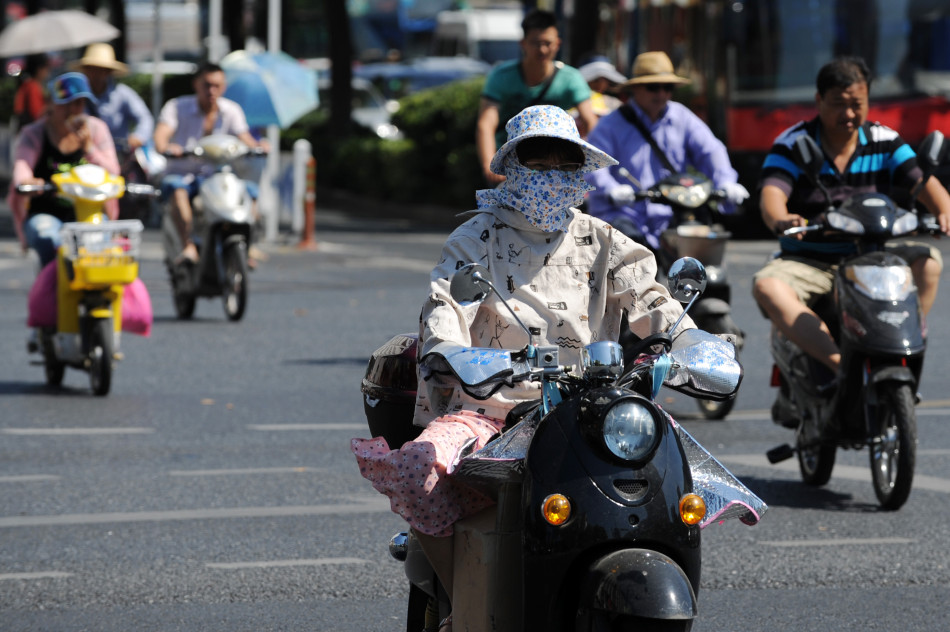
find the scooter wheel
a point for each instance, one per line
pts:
(235, 281)
(715, 410)
(100, 357)
(894, 452)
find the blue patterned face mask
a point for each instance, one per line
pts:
(545, 197)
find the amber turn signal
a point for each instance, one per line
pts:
(556, 509)
(692, 509)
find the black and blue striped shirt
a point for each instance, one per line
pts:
(882, 162)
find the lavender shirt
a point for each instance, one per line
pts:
(685, 139)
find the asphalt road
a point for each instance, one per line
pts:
(213, 488)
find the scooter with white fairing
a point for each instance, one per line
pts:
(223, 220)
(874, 314)
(600, 495)
(695, 232)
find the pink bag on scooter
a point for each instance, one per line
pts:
(41, 303)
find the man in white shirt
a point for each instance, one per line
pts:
(181, 123)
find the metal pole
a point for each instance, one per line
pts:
(157, 58)
(269, 200)
(216, 47)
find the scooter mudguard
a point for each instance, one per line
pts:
(893, 374)
(641, 583)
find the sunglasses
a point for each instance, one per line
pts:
(656, 87)
(538, 165)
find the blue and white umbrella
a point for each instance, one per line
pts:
(272, 88)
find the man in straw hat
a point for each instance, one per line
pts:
(127, 116)
(684, 139)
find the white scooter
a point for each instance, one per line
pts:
(221, 232)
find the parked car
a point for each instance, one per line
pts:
(396, 80)
(370, 108)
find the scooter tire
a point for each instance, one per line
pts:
(101, 351)
(893, 457)
(234, 295)
(816, 463)
(54, 369)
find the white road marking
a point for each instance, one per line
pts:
(765, 415)
(371, 505)
(285, 427)
(28, 478)
(837, 542)
(285, 563)
(249, 470)
(850, 472)
(40, 575)
(74, 431)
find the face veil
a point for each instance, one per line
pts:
(545, 197)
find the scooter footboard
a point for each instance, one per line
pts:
(640, 583)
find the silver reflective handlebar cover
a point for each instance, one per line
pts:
(704, 365)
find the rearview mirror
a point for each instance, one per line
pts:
(687, 277)
(932, 151)
(469, 284)
(807, 155)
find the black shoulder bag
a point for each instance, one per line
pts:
(629, 114)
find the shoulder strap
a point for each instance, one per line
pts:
(538, 100)
(629, 114)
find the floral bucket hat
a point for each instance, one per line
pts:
(547, 120)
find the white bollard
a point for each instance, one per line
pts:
(301, 156)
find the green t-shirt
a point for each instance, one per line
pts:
(506, 87)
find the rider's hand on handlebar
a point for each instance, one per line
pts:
(33, 181)
(791, 221)
(622, 195)
(174, 149)
(735, 192)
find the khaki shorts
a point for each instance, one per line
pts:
(811, 279)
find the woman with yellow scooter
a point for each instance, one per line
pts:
(63, 186)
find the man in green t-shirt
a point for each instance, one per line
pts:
(535, 79)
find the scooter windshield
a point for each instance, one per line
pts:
(725, 496)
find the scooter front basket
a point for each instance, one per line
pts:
(100, 255)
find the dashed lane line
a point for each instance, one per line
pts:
(837, 542)
(50, 432)
(372, 505)
(247, 470)
(28, 478)
(326, 561)
(33, 576)
(850, 472)
(287, 427)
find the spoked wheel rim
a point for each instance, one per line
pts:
(894, 451)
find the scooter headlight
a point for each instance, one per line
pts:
(882, 283)
(98, 193)
(630, 430)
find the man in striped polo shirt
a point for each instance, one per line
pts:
(859, 157)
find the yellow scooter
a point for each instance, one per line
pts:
(96, 260)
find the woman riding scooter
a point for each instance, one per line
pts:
(570, 278)
(65, 137)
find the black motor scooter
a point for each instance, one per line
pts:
(874, 315)
(694, 231)
(600, 494)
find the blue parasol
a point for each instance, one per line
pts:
(272, 88)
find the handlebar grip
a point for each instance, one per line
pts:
(34, 188)
(141, 189)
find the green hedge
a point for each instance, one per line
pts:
(435, 162)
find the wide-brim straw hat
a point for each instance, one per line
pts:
(102, 56)
(654, 67)
(552, 121)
